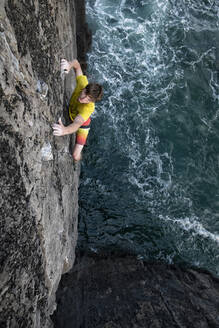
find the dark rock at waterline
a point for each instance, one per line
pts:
(83, 35)
(120, 292)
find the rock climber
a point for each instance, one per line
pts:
(82, 105)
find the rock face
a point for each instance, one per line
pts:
(38, 181)
(123, 292)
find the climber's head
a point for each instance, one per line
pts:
(91, 93)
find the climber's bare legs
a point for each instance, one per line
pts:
(77, 152)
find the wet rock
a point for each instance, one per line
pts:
(124, 292)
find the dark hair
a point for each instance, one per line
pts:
(95, 91)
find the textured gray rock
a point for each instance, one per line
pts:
(122, 292)
(38, 219)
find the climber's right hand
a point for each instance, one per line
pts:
(65, 66)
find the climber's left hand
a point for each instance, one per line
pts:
(59, 129)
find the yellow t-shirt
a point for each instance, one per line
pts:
(75, 107)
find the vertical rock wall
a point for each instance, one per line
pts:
(38, 201)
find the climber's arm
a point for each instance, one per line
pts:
(61, 130)
(66, 66)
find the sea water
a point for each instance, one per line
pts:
(150, 174)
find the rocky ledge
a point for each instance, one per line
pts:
(117, 292)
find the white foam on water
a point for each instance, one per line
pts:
(192, 225)
(214, 84)
(133, 56)
(150, 64)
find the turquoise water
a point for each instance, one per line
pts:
(150, 173)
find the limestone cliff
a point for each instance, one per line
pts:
(38, 181)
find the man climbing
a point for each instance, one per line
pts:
(82, 105)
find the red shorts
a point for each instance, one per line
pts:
(82, 133)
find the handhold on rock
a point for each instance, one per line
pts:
(42, 88)
(1, 28)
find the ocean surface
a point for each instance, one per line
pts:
(150, 174)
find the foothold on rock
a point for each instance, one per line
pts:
(46, 152)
